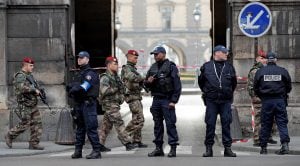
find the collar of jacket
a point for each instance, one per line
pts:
(87, 66)
(258, 64)
(130, 63)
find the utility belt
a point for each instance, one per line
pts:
(161, 97)
(89, 100)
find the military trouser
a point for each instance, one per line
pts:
(30, 118)
(274, 108)
(256, 108)
(134, 127)
(112, 117)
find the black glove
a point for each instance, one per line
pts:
(68, 88)
(75, 90)
(71, 85)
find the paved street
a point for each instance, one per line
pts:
(191, 128)
(138, 157)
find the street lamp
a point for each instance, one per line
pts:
(197, 16)
(196, 12)
(118, 23)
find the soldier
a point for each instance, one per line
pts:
(84, 94)
(133, 82)
(272, 85)
(164, 83)
(217, 82)
(27, 100)
(111, 97)
(260, 61)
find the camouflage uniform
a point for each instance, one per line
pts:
(132, 80)
(27, 108)
(111, 97)
(255, 103)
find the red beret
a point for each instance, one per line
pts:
(111, 59)
(28, 60)
(133, 52)
(262, 53)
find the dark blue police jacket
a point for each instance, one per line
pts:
(217, 81)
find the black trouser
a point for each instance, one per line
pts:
(160, 111)
(273, 108)
(212, 111)
(87, 123)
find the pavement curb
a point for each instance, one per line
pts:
(21, 150)
(257, 149)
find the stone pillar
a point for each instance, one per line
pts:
(283, 39)
(3, 68)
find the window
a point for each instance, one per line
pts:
(166, 8)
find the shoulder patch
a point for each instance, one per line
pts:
(88, 77)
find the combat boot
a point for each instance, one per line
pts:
(35, 147)
(228, 152)
(129, 146)
(209, 151)
(77, 154)
(8, 140)
(95, 154)
(158, 151)
(284, 149)
(172, 152)
(140, 145)
(104, 148)
(263, 150)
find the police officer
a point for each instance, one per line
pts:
(260, 61)
(272, 84)
(217, 82)
(85, 94)
(26, 93)
(111, 97)
(164, 83)
(133, 82)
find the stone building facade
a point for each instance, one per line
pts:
(149, 23)
(52, 32)
(46, 31)
(283, 38)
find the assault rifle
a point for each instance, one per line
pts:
(42, 94)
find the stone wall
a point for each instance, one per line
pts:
(283, 38)
(38, 29)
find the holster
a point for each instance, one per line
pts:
(75, 115)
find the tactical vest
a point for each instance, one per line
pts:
(163, 82)
(23, 91)
(118, 96)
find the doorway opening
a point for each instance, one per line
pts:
(93, 30)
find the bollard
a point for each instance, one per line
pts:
(235, 126)
(65, 130)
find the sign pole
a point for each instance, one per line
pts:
(255, 47)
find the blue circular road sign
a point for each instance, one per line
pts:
(255, 19)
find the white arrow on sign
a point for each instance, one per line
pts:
(250, 24)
